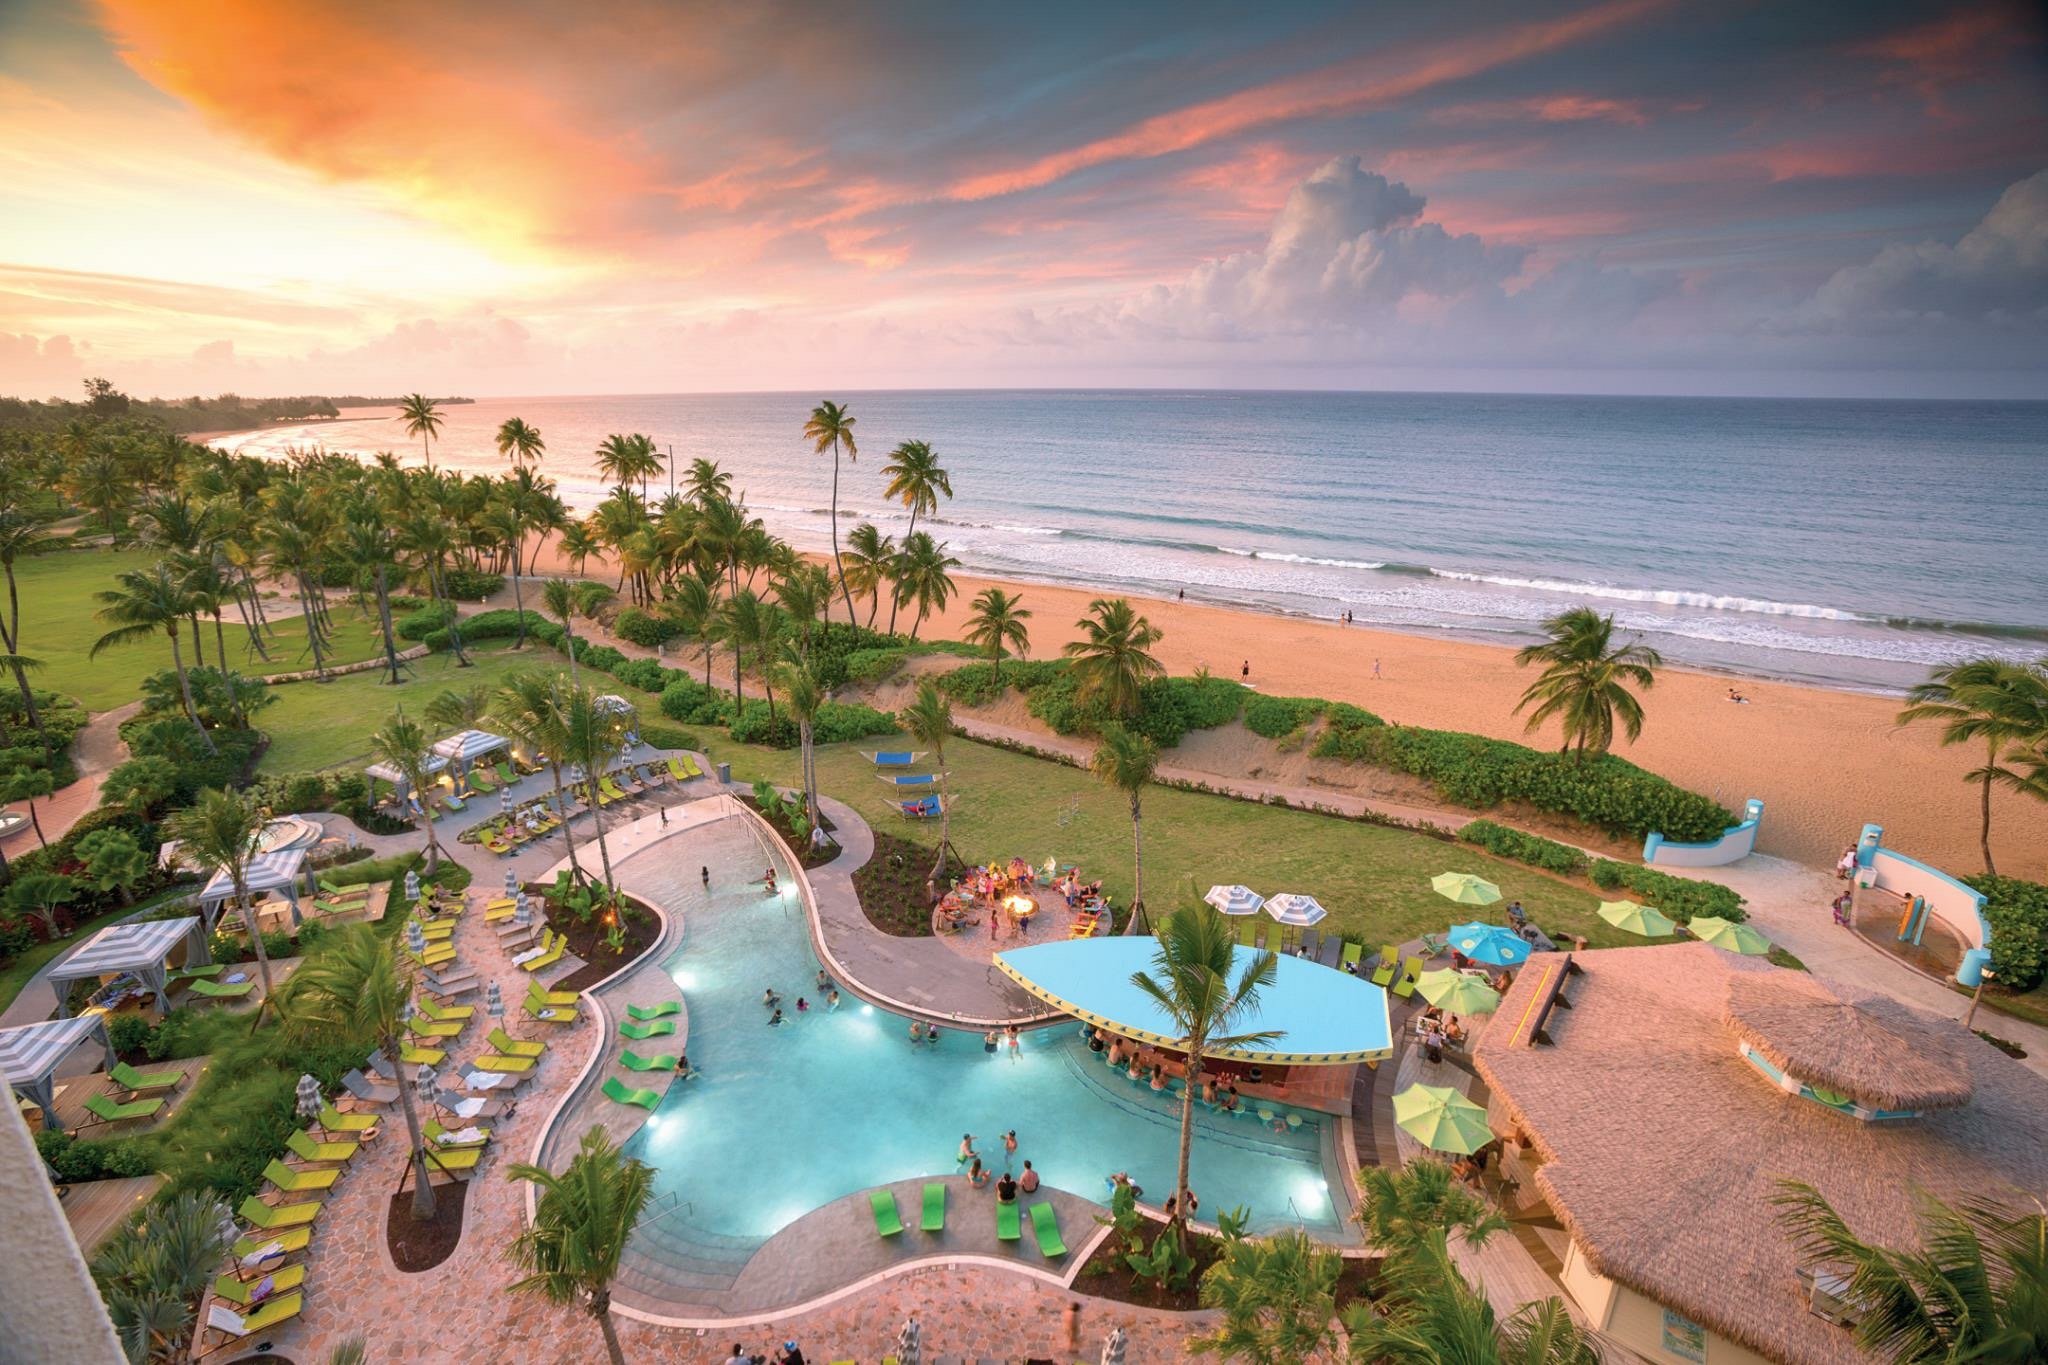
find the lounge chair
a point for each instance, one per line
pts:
(420, 1026)
(609, 791)
(436, 954)
(435, 930)
(1259, 937)
(633, 1061)
(1045, 1221)
(214, 991)
(239, 1291)
(445, 1139)
(616, 1091)
(888, 1221)
(235, 1326)
(258, 1249)
(1411, 975)
(453, 802)
(332, 1120)
(1354, 953)
(367, 1090)
(299, 1182)
(497, 912)
(451, 1160)
(104, 1110)
(140, 1082)
(640, 1033)
(505, 1043)
(546, 1013)
(1009, 1222)
(1327, 954)
(503, 1065)
(209, 970)
(506, 777)
(446, 1014)
(335, 892)
(1311, 944)
(1245, 930)
(303, 1146)
(467, 1107)
(480, 780)
(458, 982)
(1390, 961)
(421, 1056)
(547, 956)
(934, 1219)
(271, 1217)
(675, 769)
(662, 1011)
(538, 994)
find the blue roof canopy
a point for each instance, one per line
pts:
(1325, 1017)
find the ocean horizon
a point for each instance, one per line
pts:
(1845, 542)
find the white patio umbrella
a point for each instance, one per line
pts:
(309, 1097)
(504, 800)
(415, 937)
(511, 882)
(1235, 900)
(1291, 908)
(522, 910)
(909, 1343)
(412, 886)
(494, 1000)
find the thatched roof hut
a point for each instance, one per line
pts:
(1663, 1143)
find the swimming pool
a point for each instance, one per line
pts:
(780, 1121)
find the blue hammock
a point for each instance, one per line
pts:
(907, 779)
(901, 758)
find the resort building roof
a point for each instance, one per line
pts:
(1324, 1017)
(1684, 1083)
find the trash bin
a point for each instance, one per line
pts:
(725, 774)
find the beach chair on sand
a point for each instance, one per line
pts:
(1411, 975)
(934, 1219)
(1009, 1222)
(1045, 1223)
(888, 1220)
(1390, 961)
(616, 1091)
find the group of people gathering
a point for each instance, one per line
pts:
(989, 886)
(771, 1000)
(1007, 1186)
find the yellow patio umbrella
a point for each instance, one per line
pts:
(1736, 938)
(1457, 992)
(1631, 918)
(1465, 888)
(1441, 1119)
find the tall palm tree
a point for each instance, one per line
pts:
(707, 482)
(750, 627)
(581, 1223)
(805, 695)
(870, 562)
(26, 514)
(421, 419)
(592, 737)
(1995, 702)
(1975, 1289)
(529, 708)
(1429, 1314)
(218, 833)
(1278, 1297)
(519, 441)
(617, 461)
(364, 548)
(1585, 680)
(922, 577)
(1112, 661)
(916, 480)
(929, 719)
(830, 424)
(995, 622)
(565, 601)
(402, 744)
(1126, 761)
(1191, 980)
(144, 602)
(358, 988)
(693, 604)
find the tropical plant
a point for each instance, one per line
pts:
(921, 576)
(870, 562)
(152, 1271)
(28, 786)
(519, 441)
(1127, 761)
(929, 719)
(27, 511)
(1166, 1262)
(530, 709)
(805, 695)
(1191, 980)
(421, 419)
(995, 622)
(581, 1222)
(1994, 702)
(1112, 662)
(1278, 1296)
(40, 894)
(565, 600)
(458, 708)
(694, 606)
(218, 833)
(1429, 1314)
(145, 602)
(1585, 680)
(1398, 1206)
(916, 480)
(749, 627)
(831, 425)
(707, 482)
(114, 861)
(592, 737)
(402, 744)
(1975, 1289)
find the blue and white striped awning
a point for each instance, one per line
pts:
(124, 948)
(30, 1055)
(466, 745)
(276, 870)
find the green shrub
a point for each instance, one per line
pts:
(1682, 898)
(755, 726)
(129, 1033)
(876, 664)
(1279, 717)
(472, 585)
(647, 675)
(2018, 914)
(840, 722)
(977, 685)
(78, 1163)
(1205, 703)
(417, 625)
(668, 736)
(644, 629)
(1532, 849)
(695, 704)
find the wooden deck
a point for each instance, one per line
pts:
(97, 1207)
(74, 1091)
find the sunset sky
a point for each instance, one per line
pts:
(280, 196)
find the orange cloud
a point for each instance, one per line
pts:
(1547, 109)
(1346, 87)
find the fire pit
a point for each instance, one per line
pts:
(1019, 906)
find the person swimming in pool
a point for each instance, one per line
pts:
(824, 981)
(832, 998)
(916, 1032)
(769, 999)
(775, 1019)
(988, 1042)
(967, 1152)
(977, 1176)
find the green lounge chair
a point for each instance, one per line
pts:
(448, 1160)
(506, 777)
(1390, 958)
(136, 1082)
(210, 970)
(336, 892)
(420, 1027)
(616, 1091)
(1046, 1223)
(513, 1047)
(1354, 953)
(435, 931)
(661, 1011)
(436, 955)
(640, 1033)
(452, 802)
(298, 1182)
(1009, 1224)
(271, 1217)
(271, 1312)
(286, 1241)
(536, 993)
(105, 1110)
(676, 771)
(438, 1136)
(548, 957)
(236, 1290)
(445, 1014)
(305, 1148)
(546, 1013)
(498, 1064)
(480, 780)
(1411, 976)
(421, 1056)
(213, 990)
(633, 1061)
(332, 1120)
(1245, 930)
(888, 1222)
(934, 1219)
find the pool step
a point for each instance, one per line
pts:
(667, 1257)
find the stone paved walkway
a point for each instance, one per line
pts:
(94, 753)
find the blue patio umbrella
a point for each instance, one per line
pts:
(1489, 943)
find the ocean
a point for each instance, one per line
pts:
(1848, 543)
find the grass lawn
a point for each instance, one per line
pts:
(1373, 881)
(15, 974)
(58, 627)
(323, 725)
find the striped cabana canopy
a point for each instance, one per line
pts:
(277, 870)
(141, 947)
(1323, 1017)
(466, 746)
(31, 1054)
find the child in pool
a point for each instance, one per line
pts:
(775, 1019)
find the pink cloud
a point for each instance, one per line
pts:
(1547, 109)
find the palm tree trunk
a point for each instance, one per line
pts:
(518, 599)
(384, 624)
(707, 663)
(36, 821)
(1187, 1136)
(255, 938)
(600, 1308)
(945, 820)
(422, 1187)
(1984, 832)
(9, 636)
(198, 642)
(313, 630)
(894, 601)
(604, 851)
(837, 564)
(569, 639)
(1137, 860)
(185, 691)
(568, 825)
(454, 619)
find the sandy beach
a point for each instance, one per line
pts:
(1824, 762)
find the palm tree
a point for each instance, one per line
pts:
(402, 744)
(870, 562)
(1975, 1289)
(915, 480)
(1278, 1295)
(929, 719)
(805, 695)
(1996, 702)
(364, 547)
(26, 514)
(422, 419)
(750, 627)
(921, 576)
(144, 602)
(1398, 1205)
(1195, 988)
(1126, 761)
(1585, 680)
(581, 1223)
(566, 600)
(529, 709)
(1428, 1314)
(592, 737)
(831, 425)
(693, 605)
(996, 620)
(707, 482)
(358, 989)
(617, 460)
(1111, 662)
(458, 709)
(218, 834)
(154, 1269)
(519, 442)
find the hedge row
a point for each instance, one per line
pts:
(1532, 849)
(1279, 717)
(1682, 898)
(2018, 912)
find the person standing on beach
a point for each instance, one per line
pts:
(1375, 668)
(1247, 670)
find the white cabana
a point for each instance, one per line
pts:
(277, 870)
(384, 772)
(465, 747)
(141, 948)
(610, 703)
(31, 1054)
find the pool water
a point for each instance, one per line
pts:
(778, 1121)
